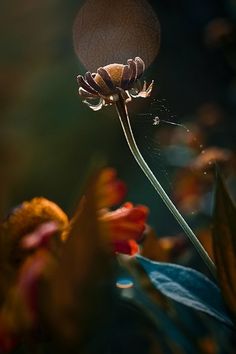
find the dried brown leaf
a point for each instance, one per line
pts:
(224, 243)
(77, 296)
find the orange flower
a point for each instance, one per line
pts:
(126, 226)
(32, 240)
(110, 191)
(24, 220)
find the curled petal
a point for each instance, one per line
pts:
(96, 106)
(125, 77)
(127, 222)
(90, 80)
(133, 70)
(85, 93)
(140, 67)
(106, 78)
(85, 85)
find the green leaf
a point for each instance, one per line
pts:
(224, 243)
(159, 306)
(186, 286)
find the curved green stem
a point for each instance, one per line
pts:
(125, 123)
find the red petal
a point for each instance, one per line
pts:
(129, 247)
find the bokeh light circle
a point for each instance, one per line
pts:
(108, 31)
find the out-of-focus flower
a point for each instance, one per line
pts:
(188, 191)
(209, 115)
(26, 217)
(109, 190)
(219, 32)
(210, 156)
(19, 306)
(40, 237)
(164, 249)
(34, 237)
(24, 220)
(112, 82)
(126, 226)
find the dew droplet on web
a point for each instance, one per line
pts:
(203, 152)
(156, 120)
(205, 172)
(124, 283)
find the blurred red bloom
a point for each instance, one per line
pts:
(32, 240)
(110, 190)
(126, 226)
(18, 312)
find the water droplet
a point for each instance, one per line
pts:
(203, 152)
(210, 163)
(201, 146)
(124, 283)
(156, 120)
(205, 173)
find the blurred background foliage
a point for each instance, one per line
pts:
(48, 138)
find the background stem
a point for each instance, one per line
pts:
(125, 123)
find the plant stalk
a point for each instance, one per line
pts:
(125, 123)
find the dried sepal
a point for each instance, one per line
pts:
(112, 82)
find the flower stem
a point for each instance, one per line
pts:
(125, 123)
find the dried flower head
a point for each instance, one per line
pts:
(112, 82)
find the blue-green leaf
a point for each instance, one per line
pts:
(187, 287)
